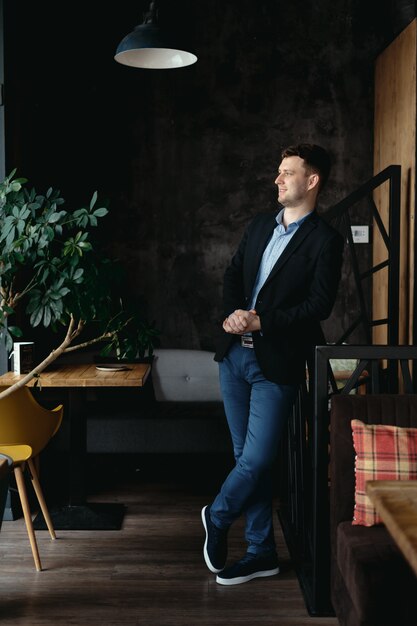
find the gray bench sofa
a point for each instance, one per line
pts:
(179, 410)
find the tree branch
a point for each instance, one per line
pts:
(91, 342)
(72, 332)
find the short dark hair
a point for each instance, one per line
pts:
(316, 158)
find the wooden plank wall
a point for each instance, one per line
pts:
(395, 143)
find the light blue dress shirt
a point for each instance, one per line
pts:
(279, 241)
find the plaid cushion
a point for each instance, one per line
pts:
(382, 453)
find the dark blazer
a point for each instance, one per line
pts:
(298, 293)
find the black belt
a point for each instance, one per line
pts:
(246, 341)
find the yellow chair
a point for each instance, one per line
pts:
(25, 429)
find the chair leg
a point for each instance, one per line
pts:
(39, 494)
(27, 515)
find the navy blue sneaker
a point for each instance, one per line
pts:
(251, 566)
(215, 545)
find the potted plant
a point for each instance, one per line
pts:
(49, 265)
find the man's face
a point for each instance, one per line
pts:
(294, 182)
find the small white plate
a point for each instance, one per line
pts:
(112, 368)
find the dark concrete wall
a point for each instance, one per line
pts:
(186, 157)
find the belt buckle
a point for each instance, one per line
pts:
(246, 342)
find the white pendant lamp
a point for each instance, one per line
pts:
(152, 47)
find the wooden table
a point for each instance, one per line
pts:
(76, 379)
(396, 504)
(76, 376)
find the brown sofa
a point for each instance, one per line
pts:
(371, 582)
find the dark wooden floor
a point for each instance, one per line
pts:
(151, 573)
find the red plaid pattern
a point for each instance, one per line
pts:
(382, 453)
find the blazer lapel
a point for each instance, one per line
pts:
(261, 244)
(305, 229)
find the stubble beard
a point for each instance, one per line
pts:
(296, 200)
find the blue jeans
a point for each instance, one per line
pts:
(257, 411)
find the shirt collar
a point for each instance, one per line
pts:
(298, 223)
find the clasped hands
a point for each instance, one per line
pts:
(241, 321)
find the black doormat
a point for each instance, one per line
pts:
(91, 516)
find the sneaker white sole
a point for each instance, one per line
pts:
(244, 579)
(205, 553)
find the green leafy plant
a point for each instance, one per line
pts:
(48, 261)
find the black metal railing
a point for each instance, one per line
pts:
(340, 217)
(303, 508)
(305, 514)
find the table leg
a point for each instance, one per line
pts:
(79, 514)
(77, 446)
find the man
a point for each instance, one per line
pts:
(281, 282)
